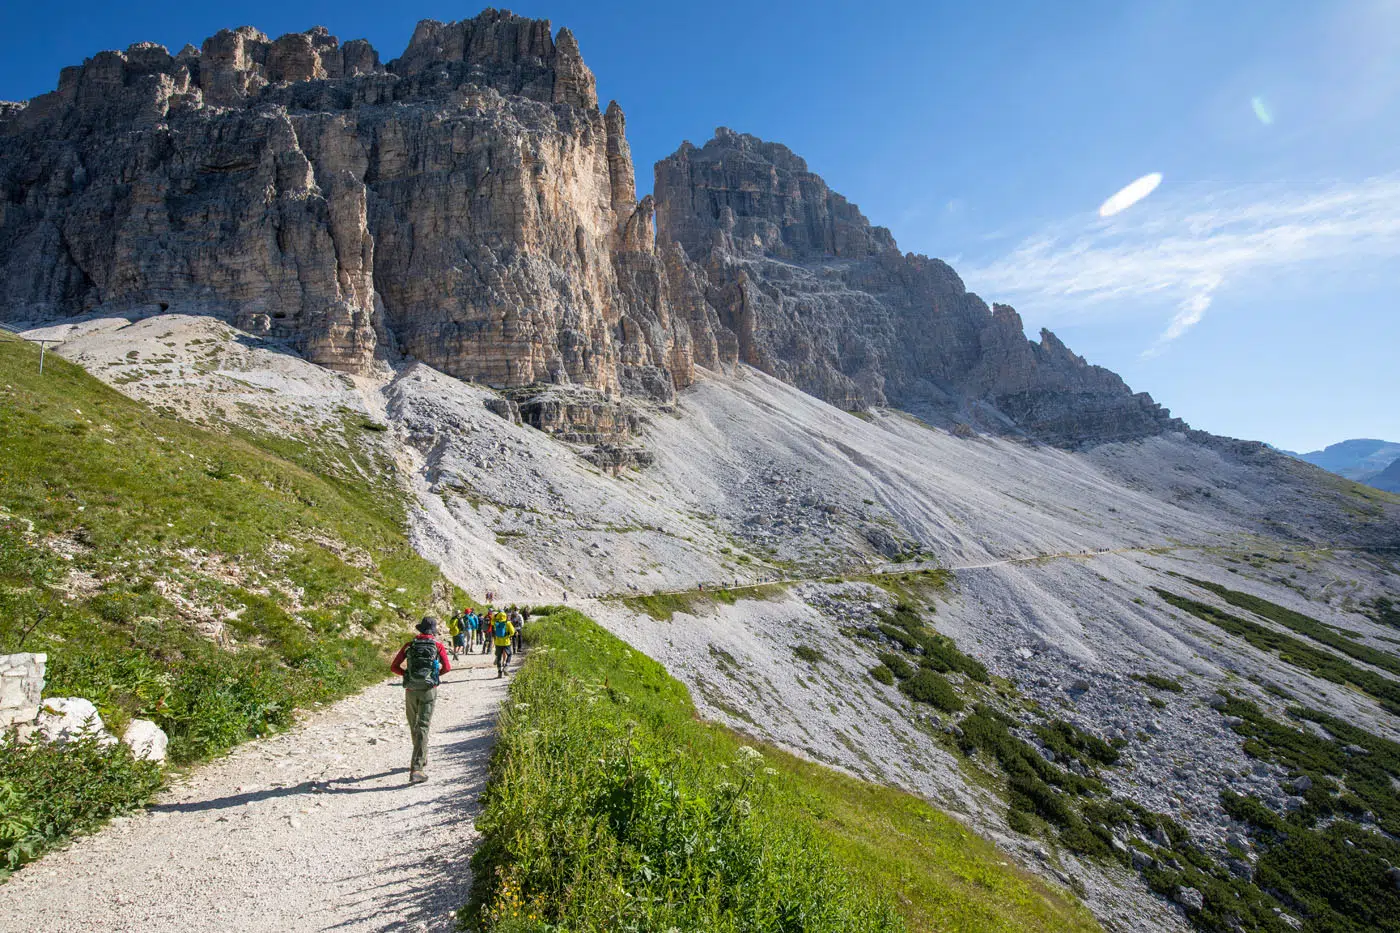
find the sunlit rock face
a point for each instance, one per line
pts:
(469, 204)
(820, 298)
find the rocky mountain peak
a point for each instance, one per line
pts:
(468, 204)
(510, 53)
(762, 198)
(820, 297)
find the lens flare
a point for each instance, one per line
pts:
(1130, 194)
(1262, 111)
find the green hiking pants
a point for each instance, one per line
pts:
(418, 704)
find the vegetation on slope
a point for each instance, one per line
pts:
(1303, 625)
(663, 606)
(1295, 651)
(611, 806)
(1321, 860)
(201, 580)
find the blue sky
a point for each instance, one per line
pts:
(1253, 292)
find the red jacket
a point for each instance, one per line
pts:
(397, 665)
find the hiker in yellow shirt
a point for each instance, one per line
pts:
(501, 633)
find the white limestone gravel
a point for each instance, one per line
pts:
(314, 829)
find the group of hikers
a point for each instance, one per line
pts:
(501, 628)
(422, 662)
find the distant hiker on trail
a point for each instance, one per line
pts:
(473, 625)
(421, 663)
(486, 616)
(454, 628)
(517, 622)
(501, 633)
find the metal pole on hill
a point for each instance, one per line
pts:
(43, 342)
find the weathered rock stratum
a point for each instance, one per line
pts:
(822, 299)
(470, 205)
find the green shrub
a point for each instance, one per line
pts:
(897, 665)
(49, 793)
(899, 636)
(1384, 611)
(927, 687)
(809, 654)
(1068, 741)
(941, 654)
(883, 674)
(1158, 682)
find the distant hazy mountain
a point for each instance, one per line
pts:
(1361, 459)
(1387, 479)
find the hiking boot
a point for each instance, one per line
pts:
(416, 777)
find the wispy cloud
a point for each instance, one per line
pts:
(1183, 248)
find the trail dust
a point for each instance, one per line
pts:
(313, 829)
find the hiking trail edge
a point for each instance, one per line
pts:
(313, 829)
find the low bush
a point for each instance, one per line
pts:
(1384, 611)
(1068, 741)
(809, 654)
(927, 687)
(897, 665)
(1158, 682)
(49, 793)
(883, 674)
(1033, 781)
(1305, 625)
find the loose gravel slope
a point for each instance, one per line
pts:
(315, 829)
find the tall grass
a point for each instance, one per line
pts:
(611, 807)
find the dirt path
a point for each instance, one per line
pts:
(315, 829)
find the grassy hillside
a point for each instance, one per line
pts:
(207, 581)
(611, 806)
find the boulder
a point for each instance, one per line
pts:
(146, 740)
(1189, 898)
(63, 719)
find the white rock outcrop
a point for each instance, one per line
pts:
(63, 719)
(21, 686)
(146, 740)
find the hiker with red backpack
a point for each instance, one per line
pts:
(421, 663)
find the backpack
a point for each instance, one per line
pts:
(500, 628)
(421, 664)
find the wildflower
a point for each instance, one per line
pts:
(771, 772)
(749, 754)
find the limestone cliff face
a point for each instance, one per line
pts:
(819, 297)
(469, 204)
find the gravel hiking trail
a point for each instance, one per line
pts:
(313, 829)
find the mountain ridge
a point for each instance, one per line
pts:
(470, 205)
